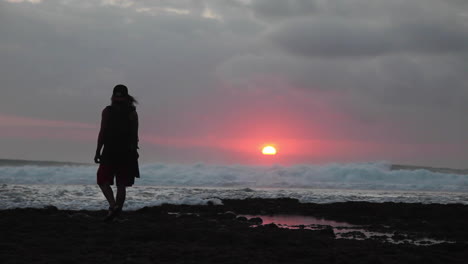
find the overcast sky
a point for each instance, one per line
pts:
(323, 80)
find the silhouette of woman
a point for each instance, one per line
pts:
(119, 158)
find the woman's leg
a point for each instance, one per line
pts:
(108, 193)
(121, 194)
(105, 178)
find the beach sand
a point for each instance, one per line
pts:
(215, 234)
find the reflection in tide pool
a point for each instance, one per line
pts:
(342, 230)
(296, 221)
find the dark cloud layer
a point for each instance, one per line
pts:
(379, 63)
(283, 9)
(335, 37)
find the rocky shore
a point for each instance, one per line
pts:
(221, 234)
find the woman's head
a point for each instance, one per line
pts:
(120, 90)
(120, 95)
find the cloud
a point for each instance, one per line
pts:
(17, 121)
(373, 28)
(365, 70)
(283, 9)
(335, 37)
(391, 60)
(118, 3)
(24, 1)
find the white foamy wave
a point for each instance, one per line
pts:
(89, 197)
(368, 176)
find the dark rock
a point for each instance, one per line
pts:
(187, 215)
(51, 208)
(379, 238)
(79, 215)
(271, 225)
(256, 221)
(241, 219)
(354, 234)
(398, 236)
(425, 242)
(327, 232)
(35, 236)
(227, 215)
(230, 214)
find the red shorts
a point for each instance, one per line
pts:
(106, 174)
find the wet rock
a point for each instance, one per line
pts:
(241, 219)
(187, 215)
(256, 221)
(354, 235)
(424, 242)
(151, 210)
(327, 231)
(379, 238)
(152, 237)
(223, 229)
(377, 227)
(50, 209)
(229, 215)
(271, 225)
(80, 215)
(398, 236)
(372, 259)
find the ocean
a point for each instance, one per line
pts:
(72, 186)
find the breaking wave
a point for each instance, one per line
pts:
(356, 176)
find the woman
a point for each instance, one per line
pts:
(119, 158)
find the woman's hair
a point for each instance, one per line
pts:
(121, 91)
(132, 100)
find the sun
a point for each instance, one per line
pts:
(269, 150)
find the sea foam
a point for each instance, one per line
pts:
(352, 176)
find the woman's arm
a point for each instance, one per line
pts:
(134, 129)
(100, 141)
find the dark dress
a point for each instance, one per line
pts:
(121, 138)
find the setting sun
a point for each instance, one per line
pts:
(269, 150)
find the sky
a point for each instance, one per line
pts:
(324, 81)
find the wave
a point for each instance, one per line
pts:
(89, 197)
(357, 176)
